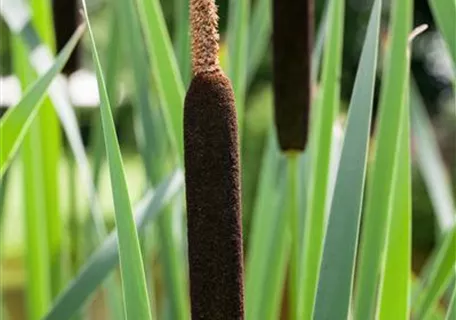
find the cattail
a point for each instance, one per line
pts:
(292, 46)
(212, 171)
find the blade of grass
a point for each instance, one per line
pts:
(320, 145)
(262, 228)
(451, 312)
(131, 265)
(112, 71)
(38, 289)
(148, 249)
(134, 48)
(165, 73)
(238, 24)
(37, 255)
(276, 271)
(158, 160)
(380, 192)
(431, 164)
(394, 291)
(111, 287)
(16, 121)
(444, 12)
(182, 39)
(51, 145)
(42, 59)
(106, 257)
(17, 15)
(3, 187)
(339, 254)
(258, 38)
(319, 41)
(440, 273)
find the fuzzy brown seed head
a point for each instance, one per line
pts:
(205, 36)
(212, 171)
(292, 45)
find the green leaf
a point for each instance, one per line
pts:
(444, 12)
(259, 33)
(265, 218)
(238, 31)
(38, 291)
(131, 265)
(182, 36)
(3, 187)
(145, 111)
(153, 139)
(111, 287)
(49, 133)
(437, 279)
(165, 71)
(451, 313)
(277, 257)
(99, 265)
(394, 293)
(381, 188)
(431, 164)
(339, 254)
(319, 42)
(323, 118)
(96, 144)
(15, 123)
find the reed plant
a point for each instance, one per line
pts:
(221, 178)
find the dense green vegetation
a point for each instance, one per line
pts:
(95, 228)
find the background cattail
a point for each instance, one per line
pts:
(292, 45)
(212, 171)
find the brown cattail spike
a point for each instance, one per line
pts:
(212, 170)
(205, 36)
(213, 199)
(292, 45)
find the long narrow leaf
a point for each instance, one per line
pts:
(339, 255)
(320, 145)
(263, 225)
(145, 111)
(38, 291)
(276, 272)
(439, 275)
(394, 295)
(131, 265)
(166, 74)
(106, 257)
(15, 123)
(259, 33)
(451, 313)
(444, 12)
(170, 89)
(379, 198)
(238, 24)
(113, 60)
(431, 164)
(154, 136)
(49, 128)
(182, 39)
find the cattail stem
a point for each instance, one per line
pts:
(294, 225)
(212, 171)
(292, 45)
